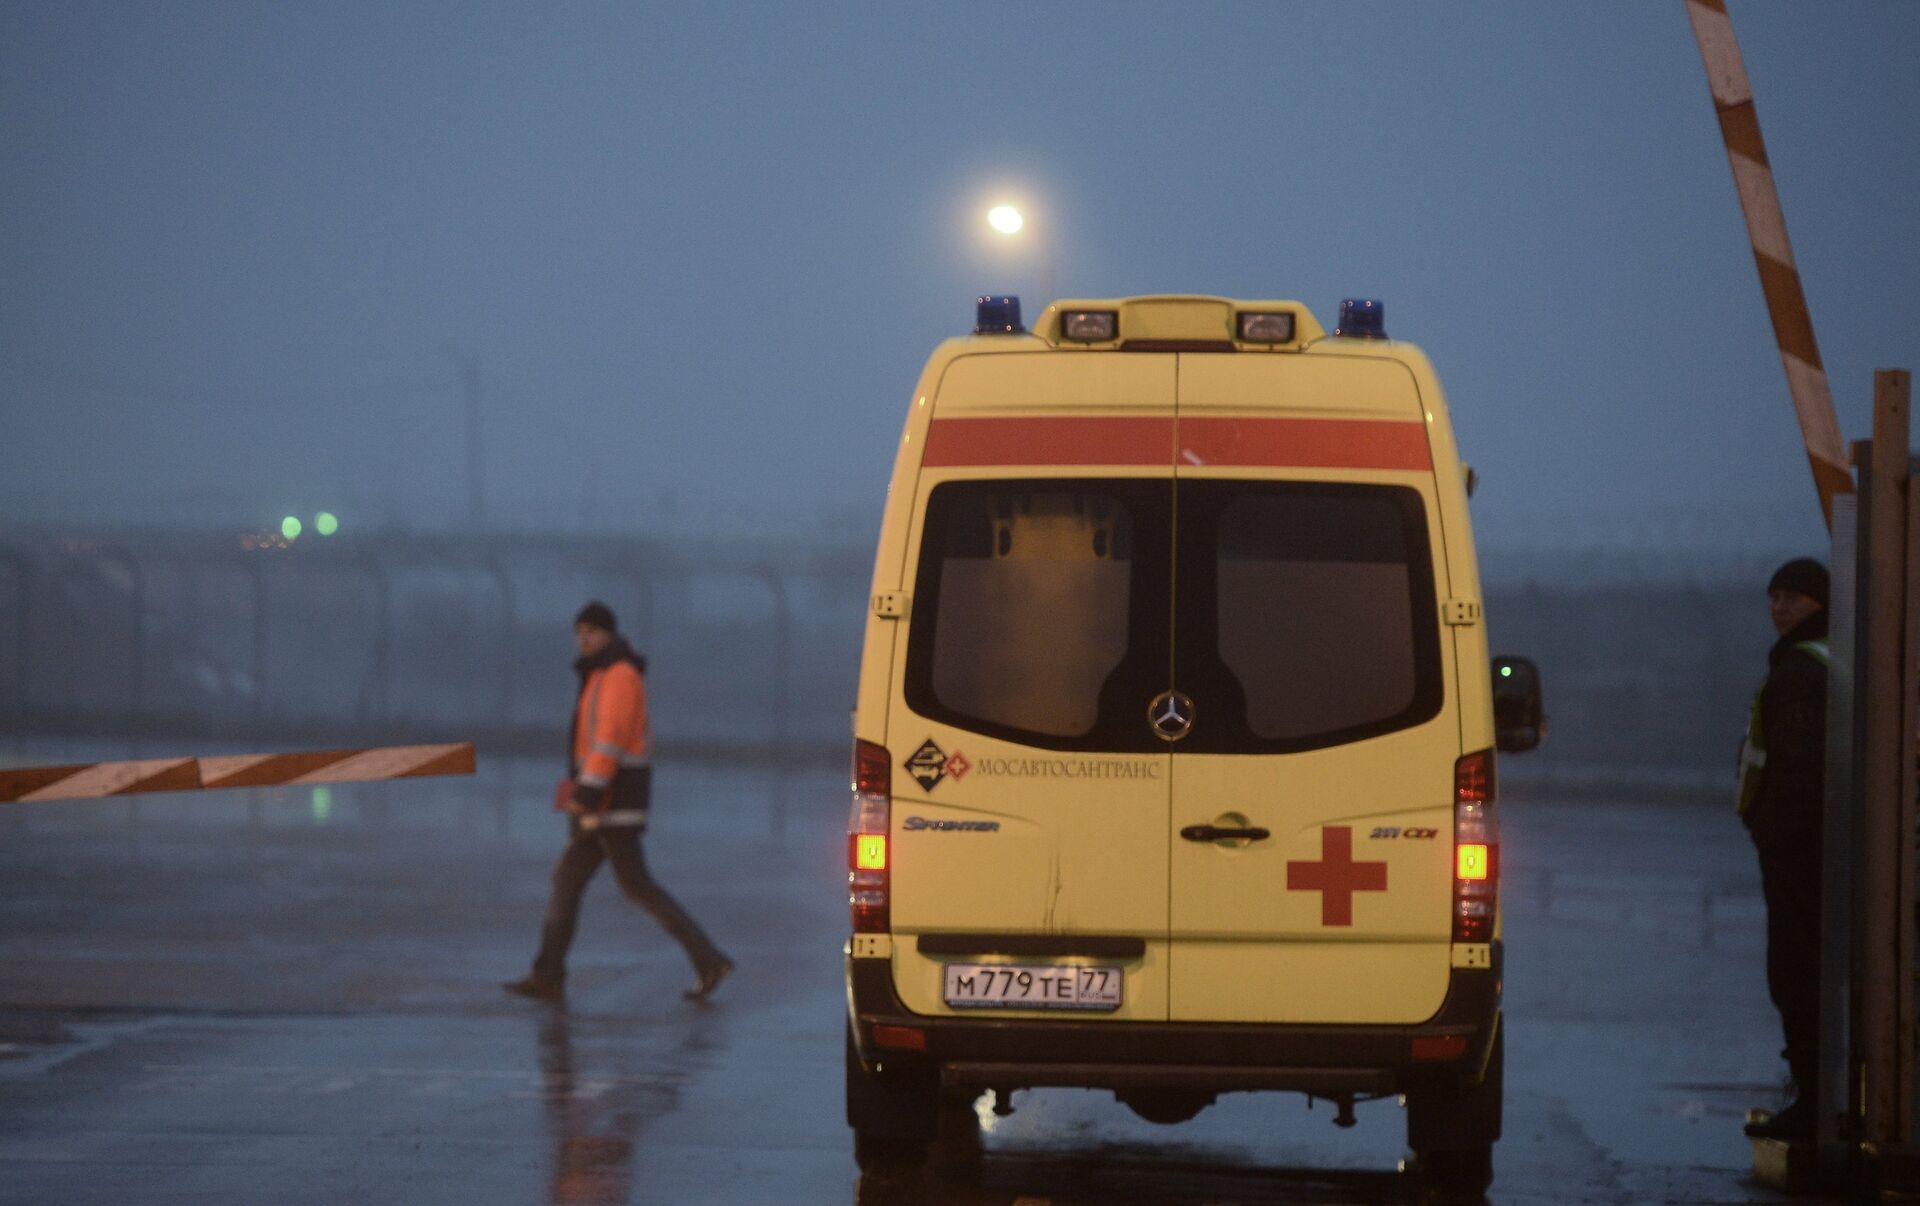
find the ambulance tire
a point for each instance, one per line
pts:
(1457, 1176)
(956, 1139)
(1452, 1129)
(894, 1114)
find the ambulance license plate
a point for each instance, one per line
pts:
(1031, 986)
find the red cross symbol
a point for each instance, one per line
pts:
(1336, 876)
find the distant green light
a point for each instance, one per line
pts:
(325, 523)
(290, 528)
(1506, 672)
(322, 803)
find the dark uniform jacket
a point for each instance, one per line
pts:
(1793, 719)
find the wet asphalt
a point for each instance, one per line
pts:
(293, 997)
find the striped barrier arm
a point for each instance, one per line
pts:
(1767, 228)
(97, 780)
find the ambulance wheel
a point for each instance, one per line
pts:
(886, 1156)
(893, 1112)
(956, 1139)
(1452, 1129)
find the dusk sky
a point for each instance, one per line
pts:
(698, 254)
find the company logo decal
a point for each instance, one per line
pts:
(1070, 768)
(930, 764)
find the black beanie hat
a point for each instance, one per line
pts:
(600, 615)
(1803, 575)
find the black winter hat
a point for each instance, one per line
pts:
(1803, 575)
(600, 615)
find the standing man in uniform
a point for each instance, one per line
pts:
(606, 794)
(1782, 789)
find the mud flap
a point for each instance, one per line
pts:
(896, 1101)
(1456, 1117)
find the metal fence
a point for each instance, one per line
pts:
(207, 639)
(153, 635)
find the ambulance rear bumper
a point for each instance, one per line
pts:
(1217, 1056)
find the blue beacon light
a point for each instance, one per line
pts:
(1362, 318)
(997, 315)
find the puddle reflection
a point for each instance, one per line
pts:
(592, 1122)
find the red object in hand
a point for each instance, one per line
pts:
(563, 796)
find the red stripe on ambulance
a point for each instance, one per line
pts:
(1065, 441)
(1306, 443)
(1270, 443)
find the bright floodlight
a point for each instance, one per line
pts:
(1005, 219)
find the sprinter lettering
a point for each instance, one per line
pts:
(915, 824)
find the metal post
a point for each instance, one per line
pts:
(1883, 845)
(1835, 1096)
(1906, 1043)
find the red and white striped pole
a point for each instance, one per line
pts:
(1767, 227)
(98, 780)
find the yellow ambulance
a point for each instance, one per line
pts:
(1174, 760)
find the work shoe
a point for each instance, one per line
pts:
(540, 988)
(710, 979)
(1794, 1122)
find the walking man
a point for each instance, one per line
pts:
(606, 797)
(1782, 789)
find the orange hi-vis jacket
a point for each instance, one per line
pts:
(611, 735)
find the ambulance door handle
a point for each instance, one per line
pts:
(1215, 833)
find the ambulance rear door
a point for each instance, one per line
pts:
(1311, 823)
(1030, 800)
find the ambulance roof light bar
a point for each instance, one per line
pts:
(997, 315)
(1262, 326)
(1089, 326)
(1362, 318)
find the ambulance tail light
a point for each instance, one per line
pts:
(868, 855)
(1476, 848)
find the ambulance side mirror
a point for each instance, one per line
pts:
(1518, 723)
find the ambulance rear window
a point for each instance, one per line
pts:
(1029, 608)
(1296, 615)
(1311, 605)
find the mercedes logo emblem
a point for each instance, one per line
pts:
(1171, 715)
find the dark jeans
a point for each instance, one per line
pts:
(620, 846)
(1790, 880)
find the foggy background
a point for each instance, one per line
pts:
(674, 271)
